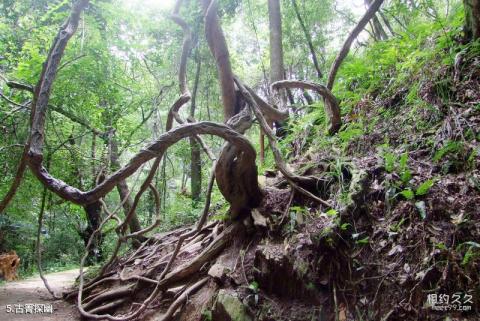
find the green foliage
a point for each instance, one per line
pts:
(254, 286)
(400, 59)
(207, 315)
(398, 165)
(389, 161)
(363, 241)
(332, 212)
(349, 133)
(424, 187)
(471, 254)
(450, 147)
(408, 194)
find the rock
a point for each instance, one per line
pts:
(228, 307)
(262, 181)
(218, 272)
(199, 304)
(259, 219)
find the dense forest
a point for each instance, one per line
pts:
(243, 160)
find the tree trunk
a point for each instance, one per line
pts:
(372, 10)
(277, 70)
(377, 27)
(218, 47)
(308, 37)
(472, 19)
(196, 161)
(235, 171)
(276, 48)
(122, 187)
(93, 211)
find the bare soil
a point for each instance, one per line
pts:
(32, 291)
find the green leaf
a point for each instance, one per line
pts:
(332, 212)
(403, 161)
(389, 162)
(344, 226)
(406, 176)
(421, 208)
(425, 187)
(440, 246)
(408, 194)
(253, 286)
(449, 147)
(363, 241)
(472, 244)
(468, 257)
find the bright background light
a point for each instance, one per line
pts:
(149, 5)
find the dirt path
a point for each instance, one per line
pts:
(30, 294)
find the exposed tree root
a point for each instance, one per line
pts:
(108, 295)
(109, 306)
(166, 279)
(182, 298)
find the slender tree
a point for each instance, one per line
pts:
(122, 186)
(472, 19)
(195, 161)
(308, 37)
(218, 46)
(277, 70)
(371, 11)
(377, 27)
(276, 48)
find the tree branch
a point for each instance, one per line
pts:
(153, 150)
(348, 42)
(331, 104)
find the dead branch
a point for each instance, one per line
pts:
(20, 86)
(11, 102)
